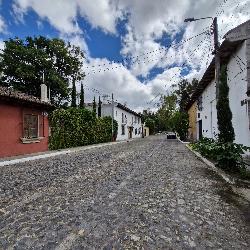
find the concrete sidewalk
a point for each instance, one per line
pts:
(42, 155)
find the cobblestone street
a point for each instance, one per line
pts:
(145, 194)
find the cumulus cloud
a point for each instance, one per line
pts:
(1, 45)
(119, 81)
(61, 14)
(3, 26)
(147, 22)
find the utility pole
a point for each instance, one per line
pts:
(112, 117)
(217, 56)
(216, 49)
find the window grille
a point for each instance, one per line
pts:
(30, 126)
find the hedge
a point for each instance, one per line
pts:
(74, 127)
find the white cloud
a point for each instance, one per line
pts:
(147, 22)
(119, 80)
(1, 45)
(61, 14)
(3, 26)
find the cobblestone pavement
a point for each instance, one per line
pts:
(146, 194)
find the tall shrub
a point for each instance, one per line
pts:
(224, 114)
(75, 127)
(99, 107)
(150, 123)
(94, 105)
(73, 94)
(82, 97)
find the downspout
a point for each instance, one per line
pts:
(248, 66)
(43, 126)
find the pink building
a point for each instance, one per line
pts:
(24, 125)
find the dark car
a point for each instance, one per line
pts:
(171, 135)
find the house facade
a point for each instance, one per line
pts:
(235, 54)
(24, 125)
(192, 114)
(129, 122)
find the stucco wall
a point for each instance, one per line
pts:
(237, 82)
(208, 115)
(146, 131)
(11, 130)
(192, 115)
(107, 111)
(118, 117)
(237, 74)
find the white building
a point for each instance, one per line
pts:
(235, 53)
(129, 122)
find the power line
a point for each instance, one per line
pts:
(165, 49)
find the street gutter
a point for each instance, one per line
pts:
(243, 192)
(48, 154)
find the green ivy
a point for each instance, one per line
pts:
(74, 127)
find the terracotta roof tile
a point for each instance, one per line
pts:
(8, 93)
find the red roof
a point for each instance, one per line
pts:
(8, 94)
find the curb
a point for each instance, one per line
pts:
(220, 172)
(43, 155)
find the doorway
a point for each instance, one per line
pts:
(130, 132)
(200, 128)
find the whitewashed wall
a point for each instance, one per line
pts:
(128, 122)
(237, 93)
(208, 115)
(107, 111)
(237, 74)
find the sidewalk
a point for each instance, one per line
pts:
(41, 155)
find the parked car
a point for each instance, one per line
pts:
(171, 135)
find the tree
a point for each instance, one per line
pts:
(73, 95)
(180, 124)
(184, 92)
(99, 107)
(166, 111)
(24, 62)
(224, 114)
(82, 97)
(94, 105)
(150, 123)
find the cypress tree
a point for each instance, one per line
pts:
(94, 105)
(99, 107)
(224, 114)
(73, 94)
(82, 97)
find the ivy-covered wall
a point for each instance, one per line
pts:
(74, 127)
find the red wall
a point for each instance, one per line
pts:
(11, 130)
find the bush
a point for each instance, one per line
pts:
(228, 156)
(75, 127)
(180, 124)
(150, 123)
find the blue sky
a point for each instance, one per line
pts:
(111, 32)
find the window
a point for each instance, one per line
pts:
(122, 118)
(199, 103)
(138, 120)
(139, 131)
(125, 119)
(30, 126)
(132, 119)
(136, 131)
(123, 129)
(135, 119)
